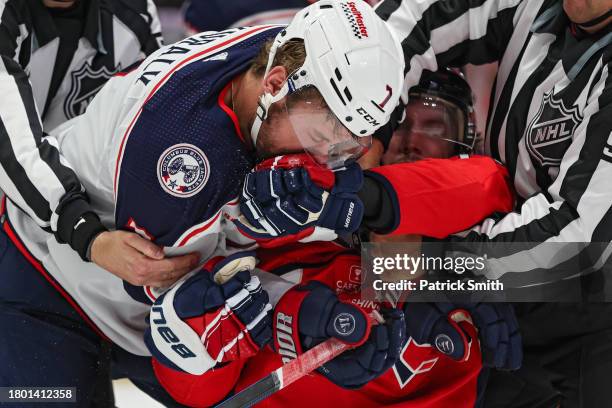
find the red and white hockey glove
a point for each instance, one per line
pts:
(199, 323)
(292, 198)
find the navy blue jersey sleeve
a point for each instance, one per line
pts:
(179, 168)
(183, 159)
(175, 174)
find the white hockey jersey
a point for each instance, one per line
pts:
(161, 154)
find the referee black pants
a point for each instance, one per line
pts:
(568, 359)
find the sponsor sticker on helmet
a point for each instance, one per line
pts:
(183, 170)
(355, 19)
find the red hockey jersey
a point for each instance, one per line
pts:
(427, 194)
(422, 378)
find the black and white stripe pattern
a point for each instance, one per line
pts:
(538, 58)
(116, 34)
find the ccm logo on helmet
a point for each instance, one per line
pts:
(367, 117)
(168, 335)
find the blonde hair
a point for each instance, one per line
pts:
(291, 56)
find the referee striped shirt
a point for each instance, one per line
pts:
(550, 122)
(48, 76)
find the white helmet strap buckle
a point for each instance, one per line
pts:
(263, 106)
(266, 100)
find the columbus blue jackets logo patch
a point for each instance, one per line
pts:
(84, 85)
(550, 132)
(183, 170)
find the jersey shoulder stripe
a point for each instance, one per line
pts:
(183, 153)
(159, 66)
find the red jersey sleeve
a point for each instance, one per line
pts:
(438, 197)
(203, 390)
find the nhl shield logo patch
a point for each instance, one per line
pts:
(550, 132)
(183, 170)
(84, 85)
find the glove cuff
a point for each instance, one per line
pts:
(173, 341)
(382, 211)
(285, 325)
(456, 318)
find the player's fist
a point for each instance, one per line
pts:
(310, 314)
(292, 198)
(438, 324)
(498, 330)
(200, 323)
(355, 368)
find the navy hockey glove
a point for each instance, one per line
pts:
(310, 314)
(199, 323)
(437, 324)
(292, 198)
(498, 331)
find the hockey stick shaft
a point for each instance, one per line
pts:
(289, 373)
(286, 374)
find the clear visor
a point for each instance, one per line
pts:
(433, 128)
(320, 132)
(435, 117)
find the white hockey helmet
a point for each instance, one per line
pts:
(355, 62)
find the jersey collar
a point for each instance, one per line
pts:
(229, 111)
(45, 30)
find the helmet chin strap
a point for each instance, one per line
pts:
(595, 21)
(264, 103)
